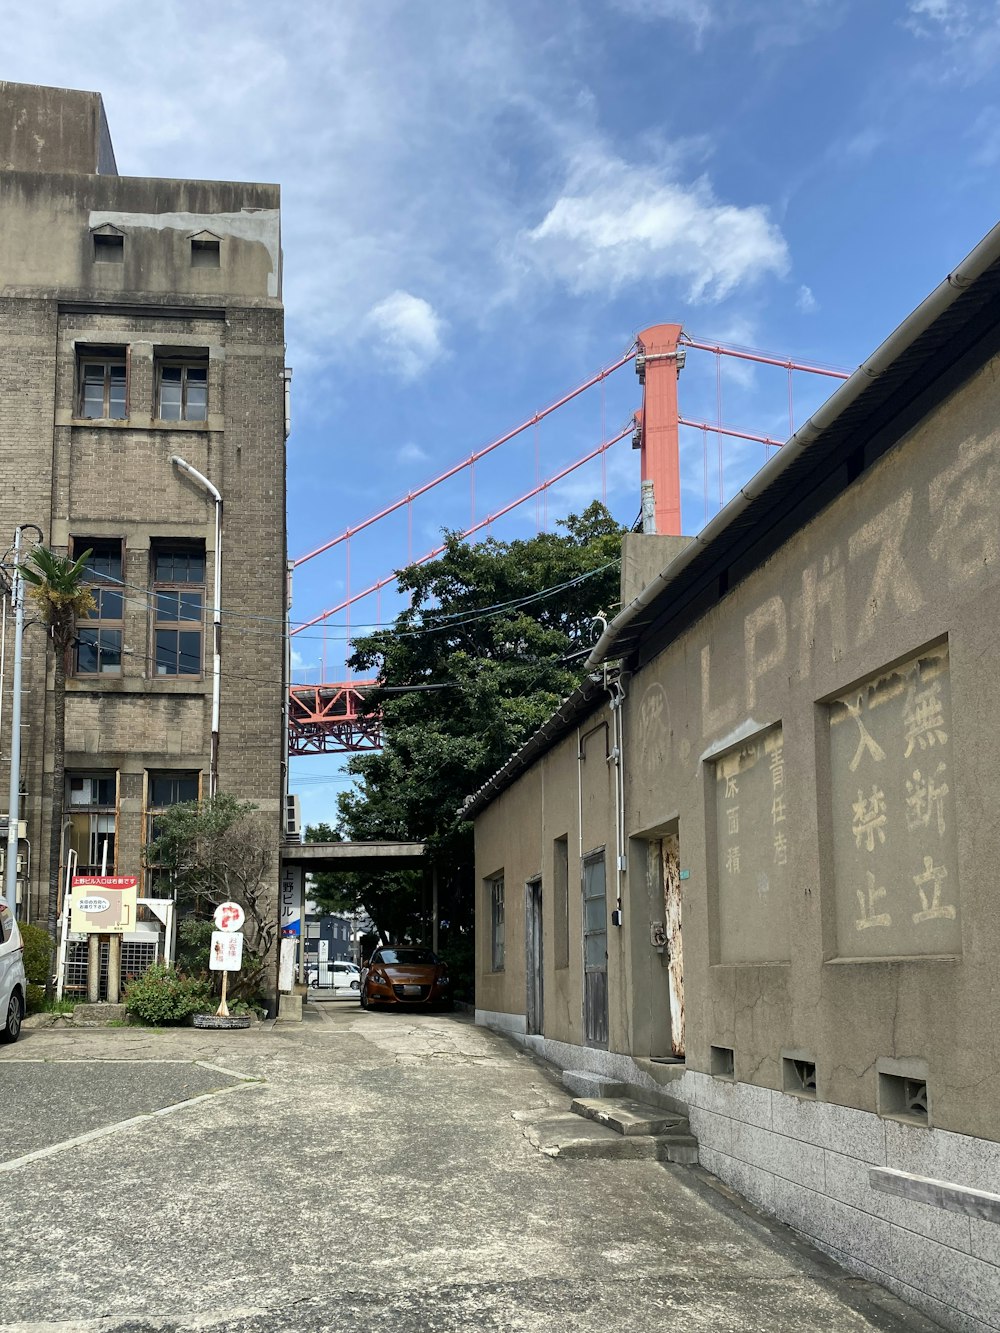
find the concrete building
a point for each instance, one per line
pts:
(141, 322)
(751, 863)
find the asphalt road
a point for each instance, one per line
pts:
(361, 1171)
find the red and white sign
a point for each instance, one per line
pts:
(229, 916)
(227, 951)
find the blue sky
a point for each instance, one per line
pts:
(483, 202)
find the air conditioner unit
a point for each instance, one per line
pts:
(293, 818)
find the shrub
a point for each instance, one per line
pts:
(37, 946)
(163, 995)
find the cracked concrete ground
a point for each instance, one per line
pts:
(374, 1176)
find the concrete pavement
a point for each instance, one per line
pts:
(361, 1171)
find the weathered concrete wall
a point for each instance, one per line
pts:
(89, 479)
(822, 743)
(53, 129)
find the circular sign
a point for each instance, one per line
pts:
(229, 916)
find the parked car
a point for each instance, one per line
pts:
(340, 977)
(13, 983)
(405, 976)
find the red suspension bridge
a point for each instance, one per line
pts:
(329, 718)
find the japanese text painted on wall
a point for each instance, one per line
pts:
(893, 816)
(752, 835)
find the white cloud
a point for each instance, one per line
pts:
(411, 452)
(618, 224)
(805, 301)
(697, 14)
(408, 329)
(930, 16)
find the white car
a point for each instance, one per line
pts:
(13, 983)
(341, 978)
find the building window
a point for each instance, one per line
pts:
(178, 608)
(560, 877)
(98, 650)
(109, 247)
(162, 791)
(205, 252)
(92, 800)
(182, 388)
(495, 891)
(102, 384)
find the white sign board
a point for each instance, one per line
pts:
(324, 951)
(229, 916)
(226, 954)
(286, 964)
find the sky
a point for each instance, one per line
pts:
(483, 201)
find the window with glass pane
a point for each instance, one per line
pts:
(102, 394)
(91, 800)
(178, 610)
(496, 886)
(98, 649)
(165, 790)
(183, 391)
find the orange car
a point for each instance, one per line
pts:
(405, 976)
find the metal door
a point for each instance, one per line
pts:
(595, 952)
(534, 1005)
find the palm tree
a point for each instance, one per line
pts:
(60, 593)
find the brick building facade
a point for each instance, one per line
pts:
(140, 319)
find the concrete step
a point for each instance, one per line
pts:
(563, 1134)
(626, 1116)
(583, 1083)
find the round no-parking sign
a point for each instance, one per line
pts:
(229, 916)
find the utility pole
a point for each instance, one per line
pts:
(14, 797)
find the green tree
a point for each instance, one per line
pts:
(493, 640)
(218, 850)
(61, 596)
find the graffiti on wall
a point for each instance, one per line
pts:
(752, 847)
(894, 838)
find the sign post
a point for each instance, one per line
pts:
(227, 947)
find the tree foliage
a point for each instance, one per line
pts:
(57, 587)
(218, 850)
(493, 640)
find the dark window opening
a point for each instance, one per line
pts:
(178, 609)
(495, 889)
(799, 1077)
(205, 253)
(98, 649)
(165, 790)
(109, 248)
(723, 1062)
(903, 1098)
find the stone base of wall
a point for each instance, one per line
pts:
(808, 1164)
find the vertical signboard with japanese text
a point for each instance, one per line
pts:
(290, 919)
(893, 816)
(752, 828)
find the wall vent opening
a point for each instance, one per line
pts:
(903, 1098)
(799, 1077)
(205, 252)
(108, 248)
(723, 1062)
